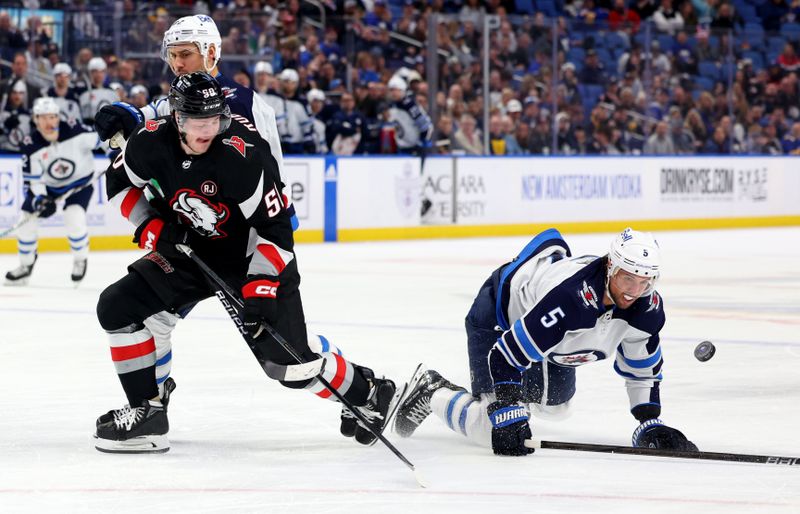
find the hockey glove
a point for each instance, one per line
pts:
(509, 419)
(44, 205)
(156, 235)
(653, 433)
(260, 294)
(119, 116)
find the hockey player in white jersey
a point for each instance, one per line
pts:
(533, 322)
(57, 159)
(64, 93)
(99, 94)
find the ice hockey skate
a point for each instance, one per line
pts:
(379, 410)
(417, 405)
(134, 430)
(169, 386)
(78, 270)
(20, 275)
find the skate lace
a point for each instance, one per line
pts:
(126, 417)
(419, 410)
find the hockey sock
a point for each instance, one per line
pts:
(134, 356)
(77, 231)
(28, 242)
(463, 414)
(343, 376)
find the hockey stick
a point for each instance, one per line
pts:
(35, 214)
(654, 452)
(227, 291)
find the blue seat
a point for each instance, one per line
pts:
(548, 7)
(775, 43)
(703, 84)
(525, 6)
(708, 69)
(576, 55)
(614, 41)
(791, 31)
(747, 11)
(666, 41)
(756, 57)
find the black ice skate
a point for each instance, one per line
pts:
(379, 410)
(78, 270)
(169, 386)
(139, 430)
(417, 405)
(19, 276)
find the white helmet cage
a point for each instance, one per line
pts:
(637, 253)
(198, 29)
(45, 105)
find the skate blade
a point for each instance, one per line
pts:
(17, 283)
(397, 400)
(143, 444)
(410, 386)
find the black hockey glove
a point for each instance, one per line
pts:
(260, 294)
(653, 433)
(119, 116)
(509, 420)
(11, 123)
(154, 234)
(44, 205)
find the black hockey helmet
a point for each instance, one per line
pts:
(199, 95)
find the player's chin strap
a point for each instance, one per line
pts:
(228, 297)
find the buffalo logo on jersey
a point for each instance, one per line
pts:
(238, 143)
(588, 295)
(61, 168)
(205, 217)
(577, 358)
(655, 302)
(151, 125)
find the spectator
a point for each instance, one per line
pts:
(667, 19)
(66, 96)
(788, 59)
(682, 139)
(772, 14)
(414, 127)
(622, 19)
(19, 72)
(660, 142)
(593, 71)
(345, 132)
(501, 143)
(11, 40)
(139, 96)
(727, 18)
(718, 144)
(791, 141)
(644, 8)
(316, 105)
(241, 76)
(600, 143)
(467, 137)
(443, 138)
(565, 139)
(265, 81)
(15, 118)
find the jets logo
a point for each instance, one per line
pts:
(205, 217)
(152, 125)
(588, 295)
(655, 302)
(577, 358)
(61, 168)
(238, 143)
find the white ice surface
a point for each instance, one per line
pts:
(241, 443)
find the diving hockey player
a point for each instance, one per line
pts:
(532, 323)
(57, 159)
(218, 189)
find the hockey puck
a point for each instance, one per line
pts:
(704, 351)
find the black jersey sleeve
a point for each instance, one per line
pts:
(126, 178)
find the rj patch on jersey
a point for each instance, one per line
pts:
(152, 125)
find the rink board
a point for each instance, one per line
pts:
(377, 198)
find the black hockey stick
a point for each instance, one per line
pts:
(226, 291)
(654, 452)
(37, 213)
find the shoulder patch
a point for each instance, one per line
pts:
(151, 125)
(655, 302)
(588, 295)
(237, 143)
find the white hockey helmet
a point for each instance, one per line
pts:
(45, 105)
(637, 253)
(397, 82)
(198, 29)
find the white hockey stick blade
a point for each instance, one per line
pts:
(420, 480)
(116, 140)
(533, 443)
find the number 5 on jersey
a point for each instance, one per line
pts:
(552, 317)
(273, 201)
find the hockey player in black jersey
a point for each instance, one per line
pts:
(534, 321)
(218, 191)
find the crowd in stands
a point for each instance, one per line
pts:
(565, 77)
